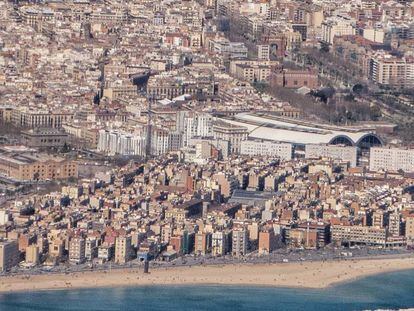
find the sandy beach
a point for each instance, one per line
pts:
(303, 274)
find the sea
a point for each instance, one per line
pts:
(390, 291)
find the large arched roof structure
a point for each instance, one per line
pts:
(369, 140)
(269, 127)
(342, 140)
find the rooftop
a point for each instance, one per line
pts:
(269, 127)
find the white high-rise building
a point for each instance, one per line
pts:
(219, 243)
(267, 148)
(337, 26)
(204, 125)
(4, 217)
(263, 52)
(343, 153)
(197, 125)
(391, 159)
(115, 142)
(160, 141)
(239, 242)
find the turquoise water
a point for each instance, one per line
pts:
(392, 291)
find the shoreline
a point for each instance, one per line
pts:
(307, 275)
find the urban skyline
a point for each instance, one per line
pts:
(170, 134)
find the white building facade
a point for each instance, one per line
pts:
(343, 153)
(391, 159)
(267, 148)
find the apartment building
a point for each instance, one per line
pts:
(239, 242)
(251, 71)
(267, 241)
(56, 248)
(77, 250)
(197, 125)
(39, 118)
(386, 69)
(391, 159)
(160, 140)
(6, 113)
(219, 243)
(266, 148)
(409, 229)
(32, 255)
(167, 86)
(336, 152)
(34, 16)
(91, 248)
(301, 236)
(227, 48)
(336, 26)
(115, 92)
(359, 234)
(9, 255)
(395, 225)
(113, 15)
(5, 217)
(202, 243)
(123, 249)
(322, 229)
(234, 134)
(263, 52)
(85, 132)
(121, 142)
(228, 183)
(105, 252)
